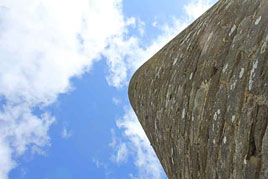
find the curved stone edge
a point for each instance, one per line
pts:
(155, 77)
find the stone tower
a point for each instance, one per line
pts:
(203, 98)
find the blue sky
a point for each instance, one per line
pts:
(64, 73)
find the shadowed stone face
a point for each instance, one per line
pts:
(203, 99)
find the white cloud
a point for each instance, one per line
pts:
(44, 43)
(19, 127)
(113, 143)
(66, 133)
(19, 130)
(6, 163)
(120, 148)
(141, 27)
(37, 150)
(122, 153)
(155, 23)
(139, 147)
(99, 164)
(103, 166)
(126, 54)
(41, 51)
(116, 101)
(196, 8)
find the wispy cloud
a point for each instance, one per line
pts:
(99, 164)
(20, 129)
(122, 153)
(6, 163)
(44, 43)
(196, 8)
(66, 133)
(138, 146)
(116, 101)
(121, 150)
(40, 53)
(125, 55)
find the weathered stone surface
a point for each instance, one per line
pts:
(203, 99)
